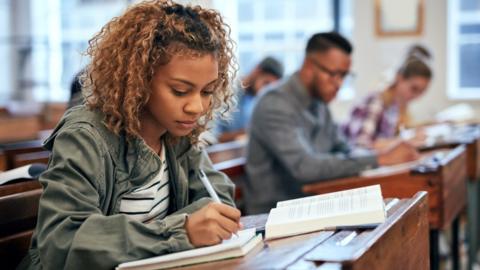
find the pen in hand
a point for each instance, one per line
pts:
(208, 186)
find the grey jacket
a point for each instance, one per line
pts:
(293, 141)
(89, 171)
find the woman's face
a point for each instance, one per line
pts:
(408, 89)
(182, 92)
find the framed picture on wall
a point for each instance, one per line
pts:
(399, 18)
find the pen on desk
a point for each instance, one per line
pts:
(208, 186)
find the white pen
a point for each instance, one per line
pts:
(208, 186)
(210, 189)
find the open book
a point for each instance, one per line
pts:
(239, 245)
(355, 207)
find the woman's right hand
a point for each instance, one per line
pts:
(212, 224)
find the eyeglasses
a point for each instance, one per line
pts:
(344, 75)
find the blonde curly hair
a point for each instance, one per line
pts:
(127, 51)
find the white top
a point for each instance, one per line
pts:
(151, 200)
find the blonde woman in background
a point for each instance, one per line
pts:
(378, 118)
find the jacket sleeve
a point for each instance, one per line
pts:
(275, 126)
(72, 232)
(198, 158)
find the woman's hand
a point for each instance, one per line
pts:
(398, 152)
(212, 224)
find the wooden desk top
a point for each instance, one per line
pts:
(227, 151)
(11, 150)
(470, 137)
(444, 182)
(399, 243)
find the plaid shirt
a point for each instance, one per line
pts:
(370, 120)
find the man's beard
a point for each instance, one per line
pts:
(313, 89)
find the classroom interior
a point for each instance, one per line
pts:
(433, 221)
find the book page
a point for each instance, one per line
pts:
(339, 194)
(327, 208)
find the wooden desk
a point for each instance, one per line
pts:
(12, 150)
(29, 158)
(470, 137)
(19, 128)
(445, 182)
(227, 151)
(399, 243)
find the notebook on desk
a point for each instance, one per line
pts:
(355, 207)
(237, 246)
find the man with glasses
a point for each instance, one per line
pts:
(293, 139)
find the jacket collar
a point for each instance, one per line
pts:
(300, 92)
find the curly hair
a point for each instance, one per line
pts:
(128, 50)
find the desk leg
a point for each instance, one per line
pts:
(434, 250)
(455, 244)
(473, 221)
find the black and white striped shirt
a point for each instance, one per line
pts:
(149, 201)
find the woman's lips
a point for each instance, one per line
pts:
(187, 124)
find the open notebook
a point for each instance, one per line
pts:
(355, 207)
(237, 246)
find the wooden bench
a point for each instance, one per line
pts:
(445, 182)
(399, 243)
(18, 217)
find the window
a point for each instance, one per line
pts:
(41, 44)
(281, 28)
(464, 49)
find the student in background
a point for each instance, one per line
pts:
(293, 139)
(267, 71)
(378, 118)
(122, 178)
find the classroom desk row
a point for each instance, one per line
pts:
(404, 233)
(444, 178)
(445, 182)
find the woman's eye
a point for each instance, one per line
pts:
(178, 93)
(207, 93)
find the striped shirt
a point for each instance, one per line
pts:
(151, 200)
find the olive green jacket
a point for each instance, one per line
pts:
(89, 171)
